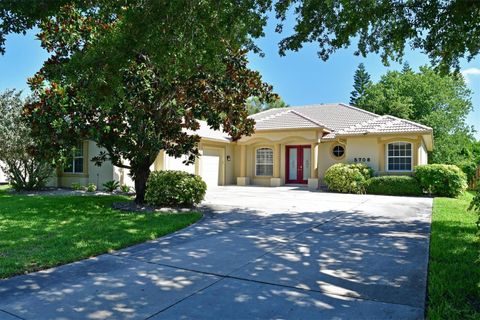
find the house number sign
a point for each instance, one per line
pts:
(367, 159)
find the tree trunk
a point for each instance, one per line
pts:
(141, 176)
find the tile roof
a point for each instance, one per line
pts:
(208, 133)
(286, 118)
(340, 119)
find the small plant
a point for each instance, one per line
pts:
(91, 187)
(174, 188)
(111, 186)
(77, 186)
(348, 178)
(124, 188)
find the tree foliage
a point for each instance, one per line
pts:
(135, 78)
(445, 30)
(24, 171)
(256, 105)
(439, 101)
(361, 80)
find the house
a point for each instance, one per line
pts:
(294, 145)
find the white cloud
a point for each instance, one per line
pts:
(467, 73)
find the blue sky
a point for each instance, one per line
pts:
(299, 78)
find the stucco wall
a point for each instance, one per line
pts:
(226, 150)
(3, 177)
(94, 174)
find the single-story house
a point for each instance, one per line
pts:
(294, 145)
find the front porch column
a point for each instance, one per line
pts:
(243, 180)
(313, 180)
(275, 181)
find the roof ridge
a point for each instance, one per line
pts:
(358, 109)
(411, 122)
(361, 124)
(274, 115)
(308, 118)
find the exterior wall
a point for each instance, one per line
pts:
(92, 173)
(370, 150)
(277, 141)
(227, 161)
(3, 176)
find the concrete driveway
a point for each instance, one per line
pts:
(264, 253)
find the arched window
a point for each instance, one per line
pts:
(264, 162)
(399, 156)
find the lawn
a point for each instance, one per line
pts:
(454, 271)
(37, 232)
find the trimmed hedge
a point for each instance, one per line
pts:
(174, 188)
(348, 178)
(441, 179)
(394, 186)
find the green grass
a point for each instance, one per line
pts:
(454, 271)
(37, 232)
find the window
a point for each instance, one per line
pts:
(74, 163)
(264, 163)
(399, 156)
(338, 151)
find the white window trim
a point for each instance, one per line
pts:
(73, 161)
(256, 163)
(387, 161)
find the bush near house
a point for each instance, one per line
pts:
(441, 179)
(348, 178)
(394, 186)
(174, 188)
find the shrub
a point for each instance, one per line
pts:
(475, 207)
(111, 185)
(394, 186)
(349, 178)
(174, 188)
(91, 187)
(441, 179)
(125, 188)
(77, 186)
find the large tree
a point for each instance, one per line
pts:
(361, 80)
(439, 101)
(134, 77)
(446, 30)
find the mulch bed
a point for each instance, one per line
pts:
(131, 206)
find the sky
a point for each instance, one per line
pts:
(300, 78)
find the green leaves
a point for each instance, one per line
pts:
(445, 30)
(438, 101)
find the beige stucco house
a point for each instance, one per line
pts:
(290, 146)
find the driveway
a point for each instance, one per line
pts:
(262, 253)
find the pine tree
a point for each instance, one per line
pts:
(406, 67)
(361, 80)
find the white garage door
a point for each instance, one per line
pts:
(172, 163)
(210, 167)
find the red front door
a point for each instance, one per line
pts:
(297, 164)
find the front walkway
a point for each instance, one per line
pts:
(265, 253)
